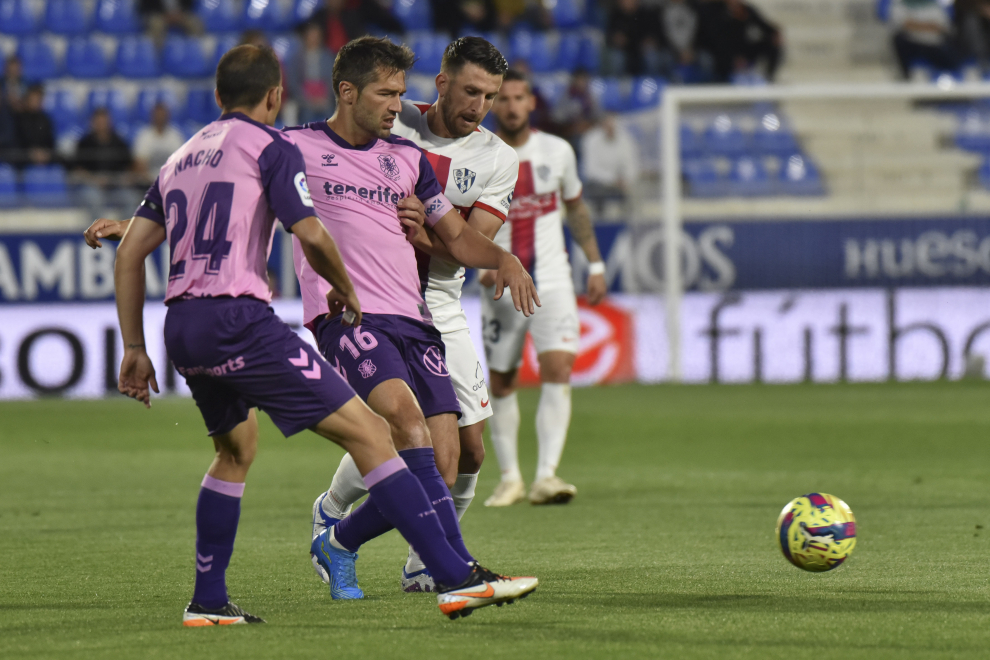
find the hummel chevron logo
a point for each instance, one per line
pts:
(203, 564)
(303, 361)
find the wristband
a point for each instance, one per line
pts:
(596, 268)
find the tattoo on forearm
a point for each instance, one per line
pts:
(579, 220)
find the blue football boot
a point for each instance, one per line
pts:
(336, 567)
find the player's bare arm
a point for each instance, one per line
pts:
(105, 228)
(485, 222)
(579, 220)
(322, 254)
(136, 371)
(473, 249)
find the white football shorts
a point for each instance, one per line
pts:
(467, 377)
(554, 327)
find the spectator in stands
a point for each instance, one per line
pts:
(923, 32)
(35, 130)
(610, 164)
(309, 76)
(104, 167)
(457, 17)
(633, 39)
(972, 25)
(8, 133)
(161, 16)
(743, 39)
(349, 19)
(12, 87)
(681, 23)
(154, 143)
(577, 109)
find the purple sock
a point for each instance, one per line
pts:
(365, 523)
(423, 463)
(217, 513)
(400, 497)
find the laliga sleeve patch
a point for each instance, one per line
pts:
(303, 189)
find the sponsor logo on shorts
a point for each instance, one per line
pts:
(433, 359)
(233, 364)
(367, 369)
(484, 404)
(303, 361)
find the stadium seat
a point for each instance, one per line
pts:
(285, 46)
(414, 14)
(883, 10)
(799, 176)
(224, 43)
(551, 87)
(150, 96)
(646, 93)
(568, 13)
(44, 185)
(264, 15)
(303, 10)
(749, 178)
(569, 51)
(61, 105)
(8, 187)
(117, 17)
(773, 136)
(183, 57)
(692, 144)
(723, 137)
(429, 49)
(85, 59)
(37, 59)
(589, 58)
(535, 48)
(112, 99)
(219, 15)
(201, 106)
(137, 58)
(703, 179)
(973, 133)
(17, 17)
(614, 96)
(68, 17)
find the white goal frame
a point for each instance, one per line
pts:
(675, 97)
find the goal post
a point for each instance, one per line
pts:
(675, 98)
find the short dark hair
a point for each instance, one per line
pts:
(516, 75)
(476, 51)
(246, 74)
(360, 60)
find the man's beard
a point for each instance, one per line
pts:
(372, 123)
(450, 121)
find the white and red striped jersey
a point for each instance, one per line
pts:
(548, 176)
(475, 171)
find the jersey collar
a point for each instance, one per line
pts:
(339, 141)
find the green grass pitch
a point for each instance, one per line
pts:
(668, 550)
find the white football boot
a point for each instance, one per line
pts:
(551, 490)
(507, 493)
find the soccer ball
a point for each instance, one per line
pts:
(817, 532)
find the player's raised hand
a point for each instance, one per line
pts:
(596, 289)
(104, 228)
(511, 274)
(136, 374)
(348, 304)
(412, 215)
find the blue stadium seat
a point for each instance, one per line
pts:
(589, 57)
(723, 137)
(615, 96)
(150, 96)
(421, 88)
(8, 187)
(37, 59)
(973, 133)
(68, 17)
(224, 43)
(535, 48)
(550, 88)
(749, 178)
(773, 136)
(303, 10)
(201, 106)
(112, 99)
(703, 179)
(85, 59)
(44, 185)
(285, 46)
(429, 49)
(692, 144)
(117, 17)
(17, 17)
(137, 58)
(799, 176)
(219, 15)
(569, 13)
(183, 57)
(569, 51)
(414, 14)
(883, 10)
(264, 15)
(61, 105)
(646, 93)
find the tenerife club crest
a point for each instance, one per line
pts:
(464, 178)
(389, 167)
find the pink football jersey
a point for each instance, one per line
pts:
(218, 197)
(356, 193)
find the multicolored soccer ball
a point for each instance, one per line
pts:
(817, 532)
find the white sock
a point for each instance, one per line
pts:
(413, 562)
(505, 435)
(463, 492)
(346, 488)
(553, 416)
